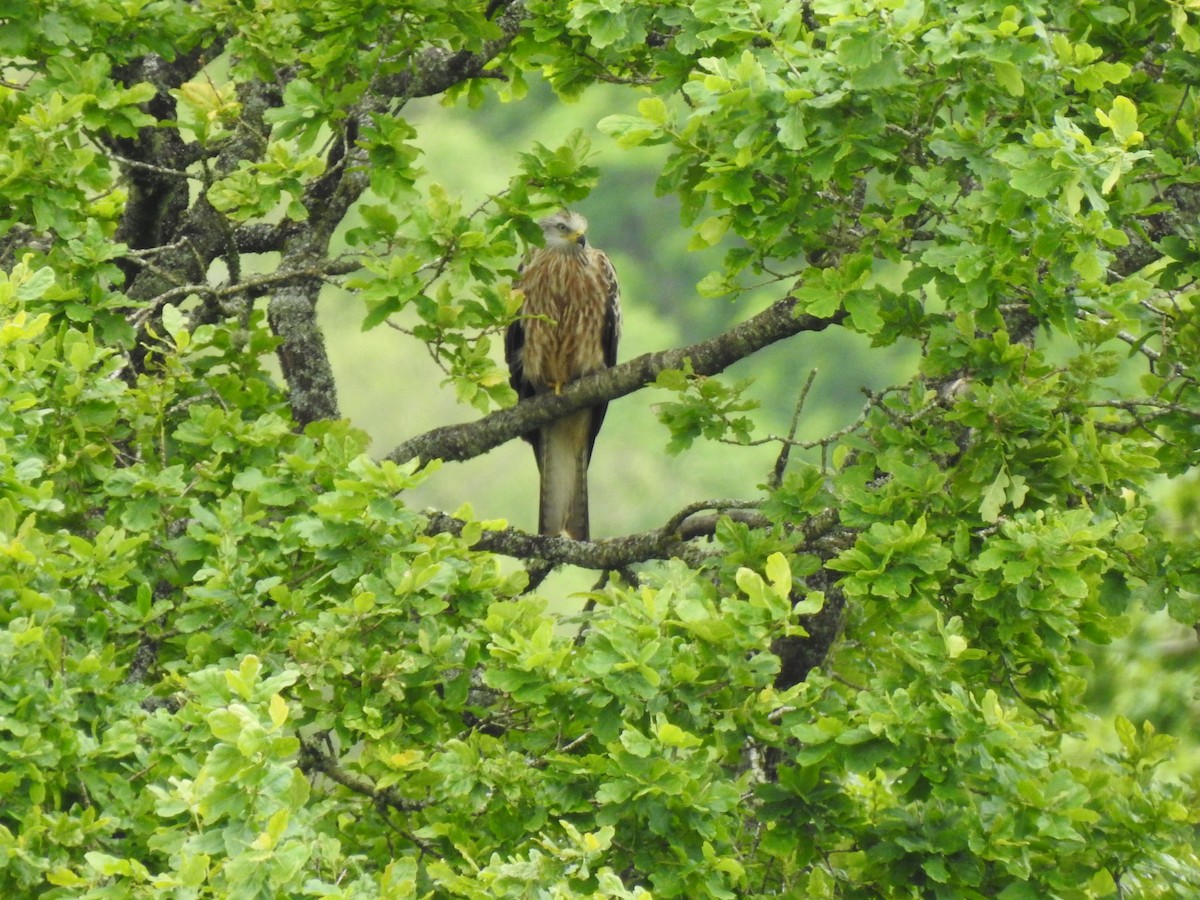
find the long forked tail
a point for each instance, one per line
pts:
(563, 509)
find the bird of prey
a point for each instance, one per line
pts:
(569, 327)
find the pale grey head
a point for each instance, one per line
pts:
(564, 232)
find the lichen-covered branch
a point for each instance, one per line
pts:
(709, 357)
(437, 69)
(603, 555)
(677, 539)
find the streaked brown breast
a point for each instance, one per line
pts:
(571, 291)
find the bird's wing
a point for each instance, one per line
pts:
(612, 312)
(514, 346)
(514, 350)
(611, 335)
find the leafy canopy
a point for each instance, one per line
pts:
(237, 663)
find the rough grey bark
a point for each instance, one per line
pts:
(179, 237)
(709, 357)
(312, 389)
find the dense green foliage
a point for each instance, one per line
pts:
(235, 662)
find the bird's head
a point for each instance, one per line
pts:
(564, 231)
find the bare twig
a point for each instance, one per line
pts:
(782, 460)
(329, 269)
(147, 167)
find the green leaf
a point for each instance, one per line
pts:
(175, 325)
(792, 129)
(1122, 120)
(1009, 77)
(637, 743)
(863, 308)
(779, 575)
(994, 497)
(653, 110)
(32, 285)
(751, 584)
(673, 736)
(715, 284)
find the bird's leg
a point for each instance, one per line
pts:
(557, 386)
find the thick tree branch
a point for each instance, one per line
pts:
(195, 238)
(316, 760)
(609, 554)
(264, 237)
(292, 310)
(154, 160)
(602, 555)
(822, 534)
(465, 441)
(197, 235)
(312, 390)
(437, 69)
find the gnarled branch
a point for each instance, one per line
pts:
(674, 540)
(603, 555)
